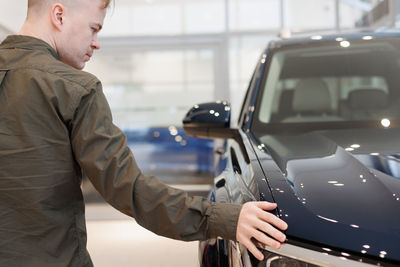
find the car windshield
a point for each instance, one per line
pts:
(331, 85)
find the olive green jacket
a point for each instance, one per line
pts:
(55, 125)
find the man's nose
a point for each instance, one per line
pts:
(95, 43)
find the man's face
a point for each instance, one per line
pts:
(83, 20)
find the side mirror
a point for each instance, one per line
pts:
(212, 120)
(204, 120)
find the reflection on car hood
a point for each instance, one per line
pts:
(340, 189)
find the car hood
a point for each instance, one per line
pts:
(338, 189)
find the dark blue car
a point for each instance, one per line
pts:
(169, 151)
(319, 134)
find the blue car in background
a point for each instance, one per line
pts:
(169, 151)
(319, 134)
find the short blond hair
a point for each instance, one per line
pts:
(41, 3)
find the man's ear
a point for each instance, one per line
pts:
(57, 16)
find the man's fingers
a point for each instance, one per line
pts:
(264, 239)
(254, 250)
(273, 232)
(266, 205)
(272, 219)
(255, 223)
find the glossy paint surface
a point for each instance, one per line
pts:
(338, 188)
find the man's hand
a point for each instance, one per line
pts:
(254, 222)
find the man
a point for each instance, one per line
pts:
(55, 124)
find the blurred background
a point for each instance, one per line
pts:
(160, 57)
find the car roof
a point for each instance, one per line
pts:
(323, 38)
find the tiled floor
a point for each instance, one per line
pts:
(117, 240)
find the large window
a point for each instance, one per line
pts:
(154, 87)
(309, 15)
(166, 17)
(249, 15)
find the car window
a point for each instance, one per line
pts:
(332, 83)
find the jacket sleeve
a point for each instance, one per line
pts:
(101, 151)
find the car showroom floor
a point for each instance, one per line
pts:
(115, 239)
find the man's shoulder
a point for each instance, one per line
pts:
(65, 72)
(42, 65)
(79, 77)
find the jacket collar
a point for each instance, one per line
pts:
(28, 42)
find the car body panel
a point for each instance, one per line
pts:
(324, 191)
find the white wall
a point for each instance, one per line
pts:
(12, 14)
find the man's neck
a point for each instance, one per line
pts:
(29, 30)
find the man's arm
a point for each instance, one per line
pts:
(100, 149)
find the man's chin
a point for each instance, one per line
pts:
(75, 65)
(79, 66)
